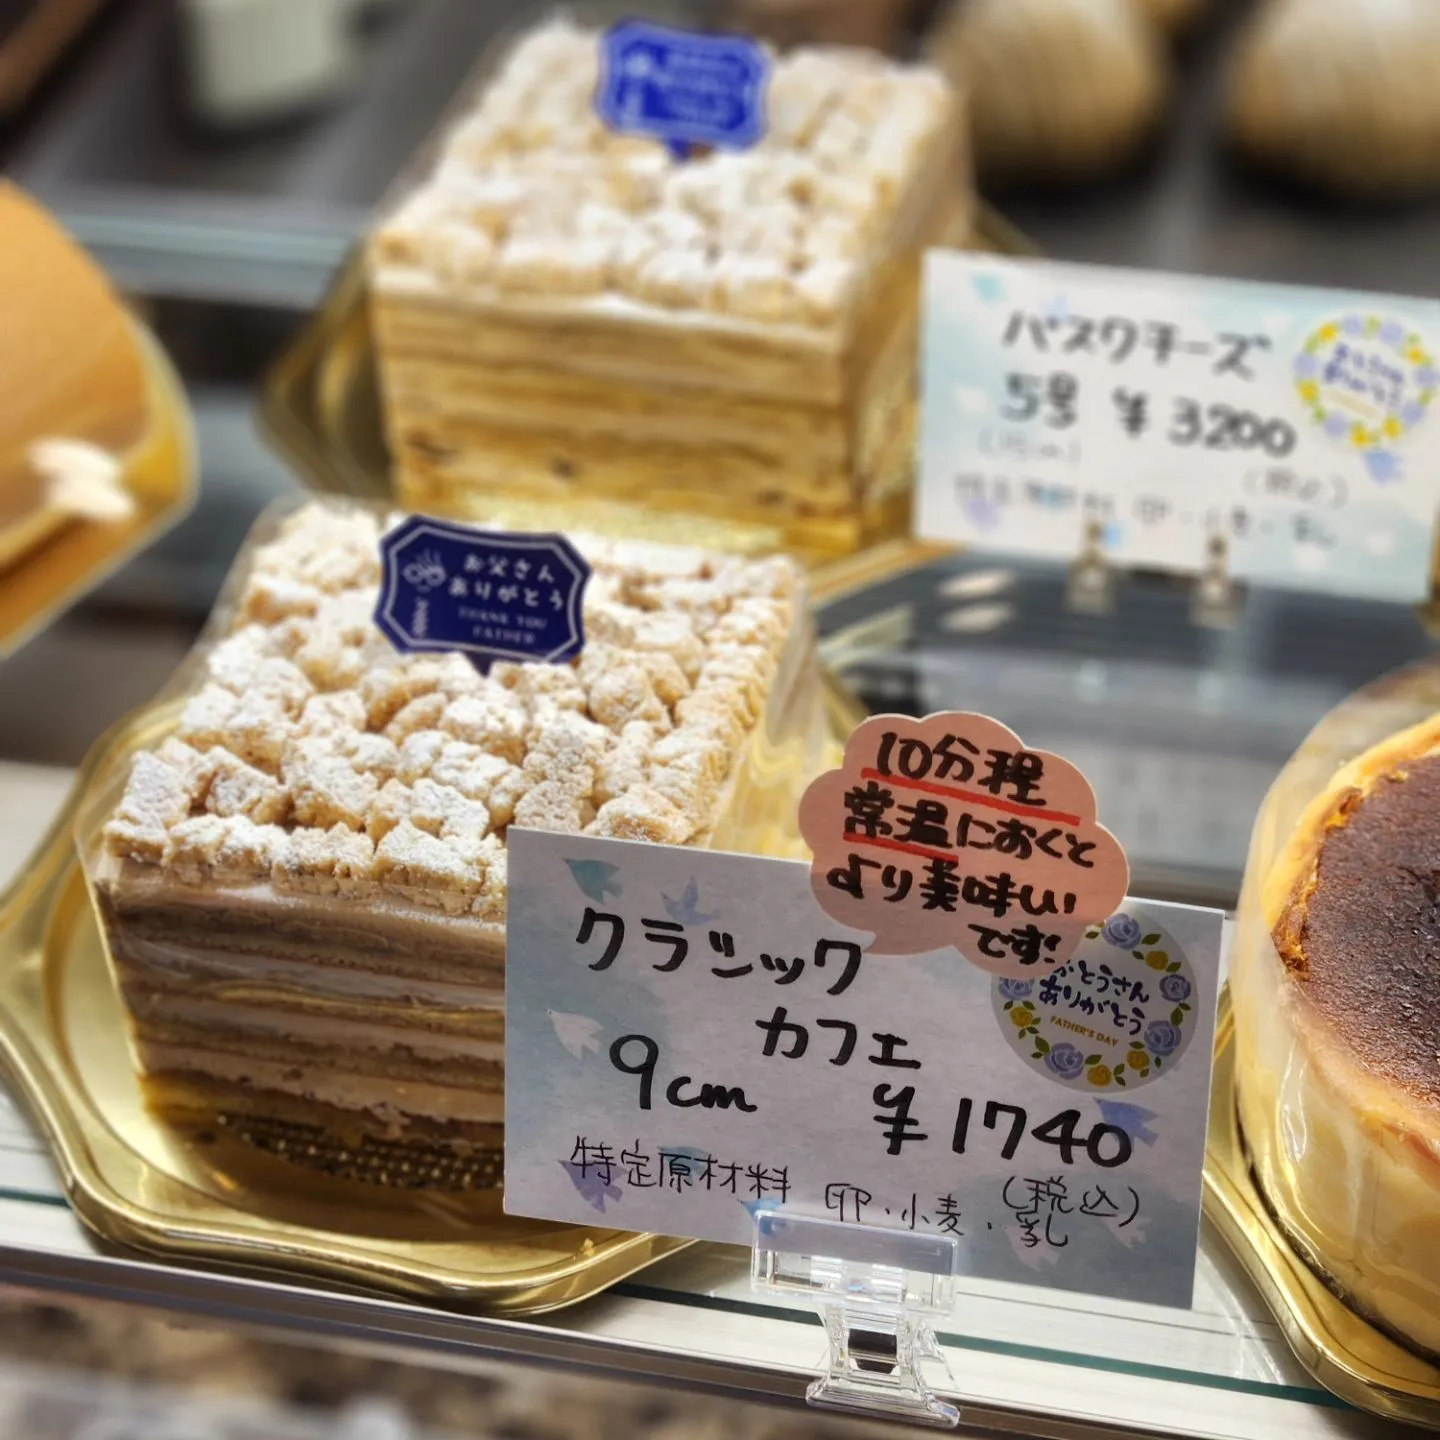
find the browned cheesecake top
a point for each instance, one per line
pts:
(1362, 931)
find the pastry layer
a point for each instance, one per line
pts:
(248, 1020)
(193, 967)
(389, 1098)
(392, 1150)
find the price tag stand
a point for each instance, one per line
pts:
(878, 1292)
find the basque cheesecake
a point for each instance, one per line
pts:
(303, 888)
(1338, 1029)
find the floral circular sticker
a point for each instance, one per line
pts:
(1118, 1014)
(1368, 382)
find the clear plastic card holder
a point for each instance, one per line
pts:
(878, 1292)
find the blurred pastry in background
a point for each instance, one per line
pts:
(875, 24)
(1341, 96)
(1176, 16)
(34, 37)
(73, 381)
(1059, 89)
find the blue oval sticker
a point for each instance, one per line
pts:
(493, 595)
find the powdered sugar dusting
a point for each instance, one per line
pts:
(315, 757)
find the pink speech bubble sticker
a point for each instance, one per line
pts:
(947, 831)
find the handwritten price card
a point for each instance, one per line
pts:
(691, 1036)
(1174, 420)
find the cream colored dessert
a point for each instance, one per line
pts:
(564, 310)
(1341, 96)
(70, 372)
(303, 888)
(1337, 1013)
(1059, 89)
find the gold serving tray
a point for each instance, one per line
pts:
(210, 1198)
(159, 475)
(142, 1184)
(1342, 1351)
(320, 407)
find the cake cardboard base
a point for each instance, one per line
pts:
(1343, 1351)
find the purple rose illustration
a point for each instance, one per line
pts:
(1065, 1060)
(983, 511)
(1016, 989)
(1162, 1038)
(1122, 931)
(1175, 988)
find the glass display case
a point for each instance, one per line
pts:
(1180, 707)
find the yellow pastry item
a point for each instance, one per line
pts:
(70, 372)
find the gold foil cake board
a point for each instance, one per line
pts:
(1344, 1352)
(213, 1200)
(71, 557)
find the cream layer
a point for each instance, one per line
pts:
(390, 927)
(222, 974)
(225, 1016)
(386, 1099)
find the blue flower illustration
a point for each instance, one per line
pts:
(1425, 376)
(1016, 989)
(1065, 1060)
(1123, 931)
(1336, 426)
(1162, 1038)
(1392, 332)
(1175, 988)
(1305, 365)
(1411, 414)
(1353, 325)
(1383, 465)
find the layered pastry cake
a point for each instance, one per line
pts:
(1338, 1027)
(303, 887)
(565, 310)
(74, 383)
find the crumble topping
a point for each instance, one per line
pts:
(316, 758)
(533, 195)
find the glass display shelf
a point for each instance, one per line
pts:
(1181, 726)
(1025, 1360)
(1180, 723)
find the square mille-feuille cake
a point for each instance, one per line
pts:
(303, 887)
(563, 310)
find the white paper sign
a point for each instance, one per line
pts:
(689, 1037)
(1172, 419)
